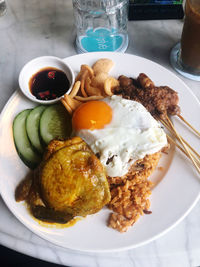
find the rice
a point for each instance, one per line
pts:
(129, 193)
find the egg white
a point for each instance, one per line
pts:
(131, 135)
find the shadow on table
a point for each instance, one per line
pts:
(10, 258)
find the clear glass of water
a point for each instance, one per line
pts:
(101, 25)
(2, 7)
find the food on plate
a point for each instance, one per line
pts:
(98, 80)
(49, 83)
(23, 145)
(55, 122)
(128, 141)
(109, 85)
(34, 128)
(69, 182)
(114, 147)
(91, 116)
(159, 100)
(92, 83)
(89, 98)
(75, 89)
(119, 131)
(103, 64)
(130, 193)
(73, 103)
(91, 89)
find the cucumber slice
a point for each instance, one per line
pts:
(32, 128)
(55, 123)
(22, 143)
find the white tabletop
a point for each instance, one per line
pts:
(37, 28)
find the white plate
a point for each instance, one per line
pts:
(172, 198)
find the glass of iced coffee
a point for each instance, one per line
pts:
(185, 56)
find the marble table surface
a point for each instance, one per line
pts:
(37, 28)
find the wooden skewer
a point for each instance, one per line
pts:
(171, 130)
(147, 83)
(191, 148)
(173, 142)
(193, 151)
(185, 147)
(188, 124)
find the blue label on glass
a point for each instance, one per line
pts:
(101, 39)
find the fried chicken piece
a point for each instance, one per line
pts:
(69, 182)
(73, 180)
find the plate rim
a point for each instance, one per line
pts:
(115, 249)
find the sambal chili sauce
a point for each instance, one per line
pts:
(48, 84)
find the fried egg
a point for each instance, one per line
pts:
(119, 131)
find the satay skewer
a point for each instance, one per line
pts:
(185, 147)
(172, 131)
(197, 159)
(147, 83)
(188, 124)
(177, 145)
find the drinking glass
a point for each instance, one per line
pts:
(101, 25)
(2, 7)
(185, 56)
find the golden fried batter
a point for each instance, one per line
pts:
(72, 179)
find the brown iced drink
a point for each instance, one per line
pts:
(190, 40)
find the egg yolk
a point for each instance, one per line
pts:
(92, 115)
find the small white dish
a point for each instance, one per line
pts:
(34, 66)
